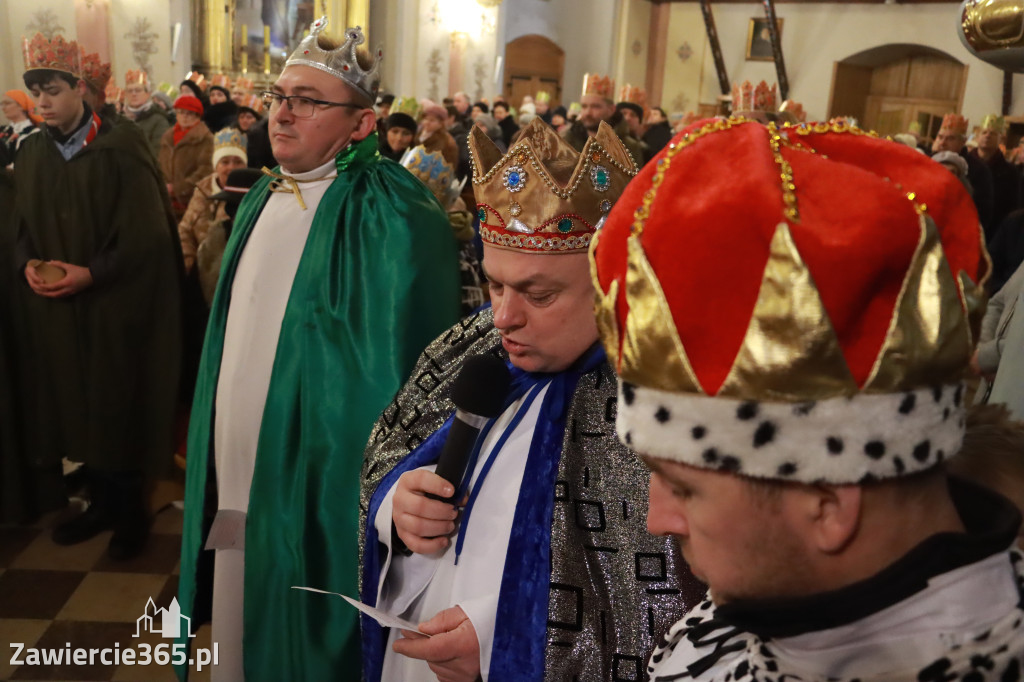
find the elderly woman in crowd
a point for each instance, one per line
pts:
(185, 153)
(17, 109)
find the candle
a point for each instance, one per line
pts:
(245, 48)
(266, 49)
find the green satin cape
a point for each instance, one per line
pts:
(378, 279)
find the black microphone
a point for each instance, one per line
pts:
(479, 394)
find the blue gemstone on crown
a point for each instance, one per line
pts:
(514, 178)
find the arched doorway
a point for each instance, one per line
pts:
(887, 88)
(533, 63)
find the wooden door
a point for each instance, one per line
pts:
(533, 63)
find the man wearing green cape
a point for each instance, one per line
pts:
(340, 268)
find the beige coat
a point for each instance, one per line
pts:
(199, 216)
(186, 163)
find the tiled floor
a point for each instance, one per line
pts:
(52, 596)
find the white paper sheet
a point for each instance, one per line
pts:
(385, 619)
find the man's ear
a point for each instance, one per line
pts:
(367, 124)
(834, 513)
(82, 87)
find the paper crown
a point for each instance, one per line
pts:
(432, 170)
(136, 77)
(341, 62)
(955, 123)
(543, 96)
(543, 196)
(994, 122)
(57, 54)
(408, 106)
(836, 351)
(603, 86)
(246, 84)
(199, 79)
(220, 80)
(228, 142)
(254, 103)
(795, 109)
(112, 92)
(633, 95)
(95, 72)
(748, 97)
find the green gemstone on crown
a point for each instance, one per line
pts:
(482, 214)
(565, 225)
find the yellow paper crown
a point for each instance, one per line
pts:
(543, 196)
(994, 122)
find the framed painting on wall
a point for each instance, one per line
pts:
(759, 41)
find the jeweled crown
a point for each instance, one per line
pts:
(543, 196)
(57, 54)
(432, 170)
(94, 71)
(749, 97)
(341, 62)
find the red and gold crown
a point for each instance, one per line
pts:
(244, 83)
(57, 54)
(835, 351)
(594, 84)
(795, 109)
(543, 196)
(955, 123)
(137, 77)
(219, 79)
(95, 72)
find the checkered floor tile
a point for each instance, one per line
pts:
(53, 597)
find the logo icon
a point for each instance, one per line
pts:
(163, 621)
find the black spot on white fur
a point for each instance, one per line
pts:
(747, 411)
(698, 432)
(628, 392)
(787, 469)
(835, 445)
(710, 455)
(922, 450)
(875, 449)
(662, 415)
(937, 393)
(907, 406)
(804, 409)
(765, 434)
(730, 463)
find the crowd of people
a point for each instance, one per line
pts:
(473, 364)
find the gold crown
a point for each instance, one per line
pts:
(994, 122)
(633, 95)
(408, 106)
(543, 196)
(57, 54)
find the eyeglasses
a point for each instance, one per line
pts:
(299, 106)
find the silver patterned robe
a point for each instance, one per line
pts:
(614, 588)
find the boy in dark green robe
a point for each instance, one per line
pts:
(100, 341)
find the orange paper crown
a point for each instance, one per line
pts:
(137, 77)
(221, 80)
(112, 92)
(633, 95)
(543, 196)
(594, 84)
(57, 54)
(254, 102)
(955, 123)
(246, 84)
(199, 79)
(95, 72)
(747, 97)
(855, 267)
